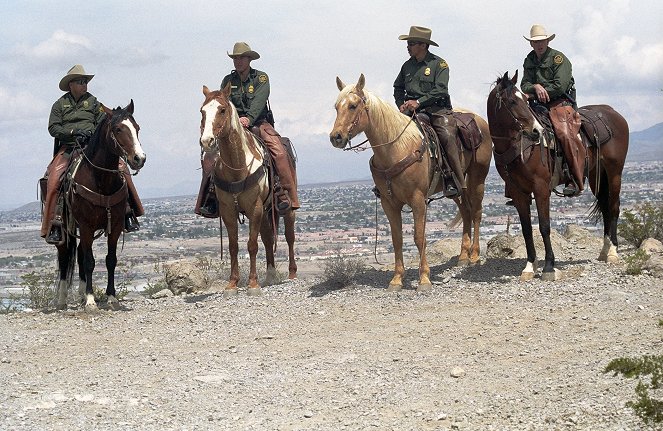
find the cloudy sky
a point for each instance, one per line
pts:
(161, 53)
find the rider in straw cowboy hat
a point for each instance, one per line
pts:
(548, 80)
(249, 91)
(74, 118)
(423, 85)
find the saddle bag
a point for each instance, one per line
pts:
(592, 123)
(468, 130)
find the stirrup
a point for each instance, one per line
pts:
(570, 191)
(55, 236)
(131, 223)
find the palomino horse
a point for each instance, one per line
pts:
(96, 200)
(526, 161)
(398, 146)
(243, 184)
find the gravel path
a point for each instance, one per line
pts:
(483, 351)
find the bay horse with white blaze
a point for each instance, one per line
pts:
(243, 185)
(525, 157)
(96, 201)
(404, 172)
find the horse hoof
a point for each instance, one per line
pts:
(527, 276)
(463, 263)
(254, 291)
(394, 287)
(425, 288)
(603, 257)
(612, 259)
(229, 293)
(555, 275)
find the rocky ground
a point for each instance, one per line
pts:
(483, 351)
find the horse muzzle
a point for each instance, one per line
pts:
(339, 140)
(137, 161)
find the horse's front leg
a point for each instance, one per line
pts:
(86, 267)
(111, 263)
(543, 209)
(267, 237)
(419, 218)
(393, 212)
(255, 222)
(233, 249)
(522, 203)
(465, 243)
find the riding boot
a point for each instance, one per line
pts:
(130, 221)
(285, 168)
(54, 173)
(207, 204)
(566, 122)
(135, 204)
(445, 127)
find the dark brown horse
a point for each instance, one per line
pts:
(96, 201)
(404, 172)
(525, 158)
(243, 185)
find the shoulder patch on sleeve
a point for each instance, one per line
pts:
(262, 78)
(558, 59)
(443, 64)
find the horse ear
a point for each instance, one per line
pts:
(515, 78)
(130, 107)
(205, 90)
(506, 76)
(339, 83)
(226, 90)
(109, 112)
(360, 83)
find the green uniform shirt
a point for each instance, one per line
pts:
(250, 96)
(426, 81)
(67, 115)
(553, 72)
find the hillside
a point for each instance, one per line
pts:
(646, 145)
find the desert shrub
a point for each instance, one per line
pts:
(635, 262)
(647, 408)
(342, 270)
(40, 287)
(645, 221)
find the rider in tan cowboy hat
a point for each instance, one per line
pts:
(249, 91)
(76, 72)
(74, 118)
(423, 86)
(548, 80)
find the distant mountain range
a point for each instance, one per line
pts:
(646, 145)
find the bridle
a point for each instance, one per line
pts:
(123, 153)
(360, 147)
(522, 133)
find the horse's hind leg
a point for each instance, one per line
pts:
(255, 223)
(65, 260)
(289, 224)
(609, 203)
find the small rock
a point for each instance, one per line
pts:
(457, 372)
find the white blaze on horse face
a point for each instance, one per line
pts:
(536, 126)
(207, 135)
(139, 154)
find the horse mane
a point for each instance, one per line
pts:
(384, 116)
(119, 115)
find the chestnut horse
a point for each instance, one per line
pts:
(243, 184)
(525, 159)
(96, 201)
(394, 138)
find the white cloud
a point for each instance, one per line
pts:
(60, 45)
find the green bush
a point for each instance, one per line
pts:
(646, 221)
(342, 270)
(647, 408)
(41, 288)
(635, 262)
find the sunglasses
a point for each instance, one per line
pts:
(80, 81)
(414, 43)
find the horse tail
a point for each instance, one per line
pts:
(602, 203)
(456, 221)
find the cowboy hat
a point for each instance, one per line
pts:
(243, 48)
(538, 32)
(74, 73)
(419, 34)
